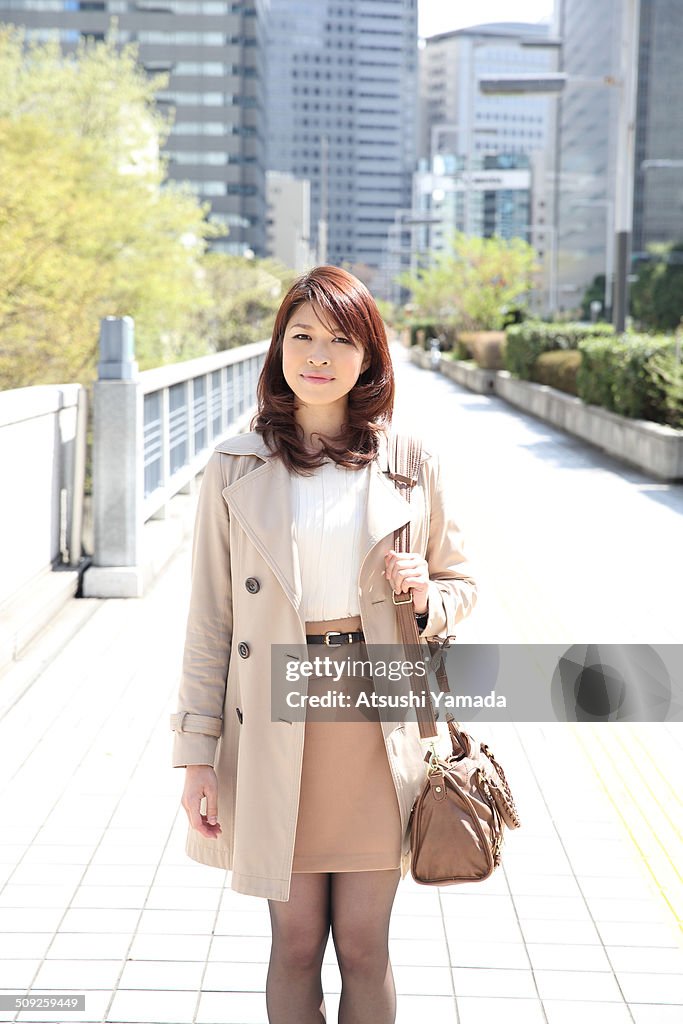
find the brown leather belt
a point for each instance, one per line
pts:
(333, 638)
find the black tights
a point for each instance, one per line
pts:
(357, 906)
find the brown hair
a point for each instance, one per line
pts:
(347, 302)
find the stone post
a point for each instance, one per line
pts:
(118, 474)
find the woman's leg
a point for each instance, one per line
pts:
(300, 926)
(360, 911)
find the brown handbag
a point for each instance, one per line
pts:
(457, 821)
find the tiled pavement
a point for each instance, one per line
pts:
(582, 922)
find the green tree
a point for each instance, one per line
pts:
(657, 295)
(245, 295)
(471, 286)
(88, 225)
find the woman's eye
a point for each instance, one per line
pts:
(307, 337)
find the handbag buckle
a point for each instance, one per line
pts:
(433, 766)
(406, 600)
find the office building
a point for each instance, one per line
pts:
(455, 117)
(658, 190)
(587, 118)
(214, 53)
(587, 140)
(483, 159)
(342, 96)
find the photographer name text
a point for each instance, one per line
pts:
(339, 699)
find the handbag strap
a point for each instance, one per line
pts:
(404, 461)
(404, 453)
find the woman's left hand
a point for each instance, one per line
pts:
(406, 570)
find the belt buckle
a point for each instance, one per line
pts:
(328, 634)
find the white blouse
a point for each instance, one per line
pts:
(329, 521)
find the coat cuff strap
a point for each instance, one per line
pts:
(184, 721)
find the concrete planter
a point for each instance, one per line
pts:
(653, 447)
(422, 358)
(467, 372)
(464, 372)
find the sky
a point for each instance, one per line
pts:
(436, 16)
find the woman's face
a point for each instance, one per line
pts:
(320, 365)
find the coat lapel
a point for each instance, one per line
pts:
(262, 503)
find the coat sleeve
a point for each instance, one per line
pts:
(208, 639)
(452, 591)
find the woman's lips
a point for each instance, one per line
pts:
(313, 379)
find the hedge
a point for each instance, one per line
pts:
(615, 374)
(526, 342)
(666, 373)
(634, 375)
(558, 370)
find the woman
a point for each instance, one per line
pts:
(293, 552)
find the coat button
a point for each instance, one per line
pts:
(252, 585)
(239, 715)
(243, 649)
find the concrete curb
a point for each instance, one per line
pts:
(32, 608)
(653, 447)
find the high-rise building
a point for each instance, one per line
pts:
(342, 88)
(588, 117)
(214, 51)
(658, 191)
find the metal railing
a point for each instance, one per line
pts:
(187, 408)
(153, 432)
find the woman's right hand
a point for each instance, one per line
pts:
(201, 781)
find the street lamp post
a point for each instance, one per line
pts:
(626, 149)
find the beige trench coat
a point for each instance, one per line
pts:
(246, 596)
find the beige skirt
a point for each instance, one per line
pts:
(348, 817)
